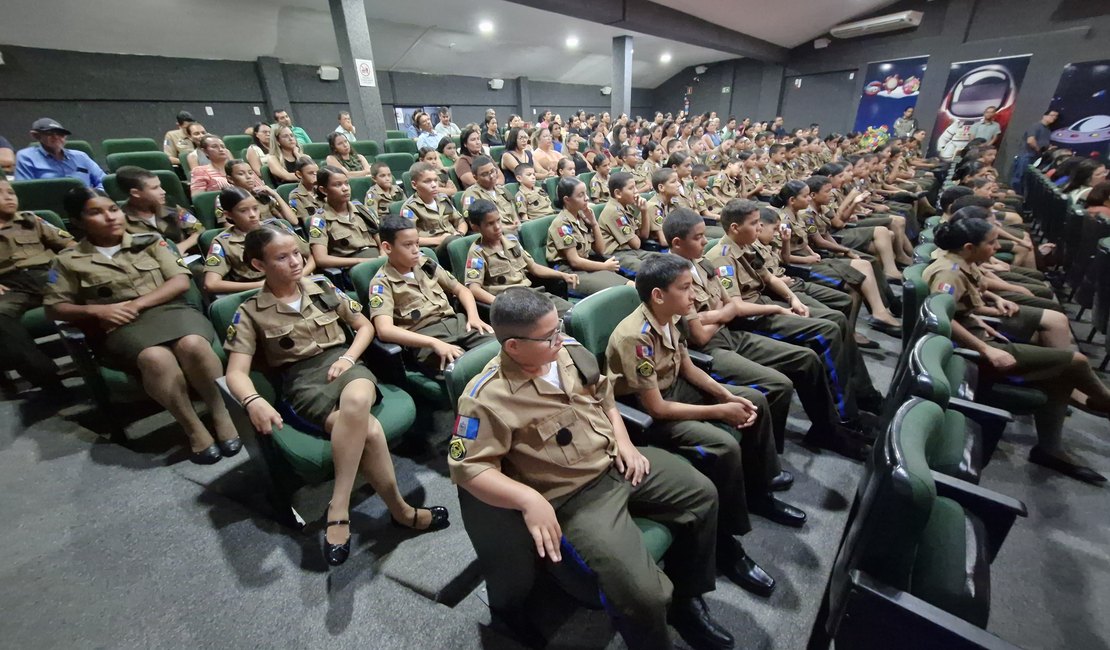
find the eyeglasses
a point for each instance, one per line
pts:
(550, 340)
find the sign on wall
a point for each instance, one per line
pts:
(972, 88)
(1084, 106)
(889, 88)
(365, 70)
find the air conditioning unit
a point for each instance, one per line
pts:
(496, 84)
(328, 73)
(606, 90)
(888, 23)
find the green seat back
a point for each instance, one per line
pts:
(395, 208)
(457, 251)
(456, 199)
(125, 145)
(284, 189)
(238, 143)
(592, 320)
(362, 273)
(496, 153)
(149, 160)
(597, 208)
(932, 222)
(398, 163)
(267, 177)
(549, 186)
(205, 240)
(175, 191)
(317, 151)
(112, 188)
(922, 253)
(927, 236)
(937, 313)
(466, 367)
(51, 217)
(205, 207)
(533, 237)
(396, 135)
(406, 183)
(914, 292)
(359, 187)
(929, 364)
(457, 140)
(647, 196)
(44, 194)
(80, 145)
(368, 148)
(401, 145)
(586, 177)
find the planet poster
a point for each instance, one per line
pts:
(1084, 106)
(889, 88)
(971, 88)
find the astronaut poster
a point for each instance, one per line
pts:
(971, 89)
(1081, 98)
(889, 88)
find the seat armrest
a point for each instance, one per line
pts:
(701, 360)
(386, 360)
(996, 511)
(968, 354)
(797, 271)
(991, 320)
(650, 245)
(635, 420)
(980, 412)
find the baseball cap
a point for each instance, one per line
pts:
(44, 124)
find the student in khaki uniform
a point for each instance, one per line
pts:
(599, 184)
(548, 474)
(631, 164)
(176, 143)
(497, 261)
(683, 165)
(383, 191)
(295, 324)
(725, 431)
(666, 186)
(485, 188)
(788, 318)
(27, 247)
(751, 179)
(532, 202)
(226, 268)
(774, 174)
(1064, 375)
(270, 203)
(343, 232)
(125, 291)
(302, 198)
(653, 160)
(624, 224)
(432, 212)
(575, 236)
(727, 183)
(146, 210)
(742, 357)
(705, 202)
(409, 307)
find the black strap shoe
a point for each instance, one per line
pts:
(736, 565)
(229, 448)
(337, 554)
(439, 520)
(777, 511)
(782, 482)
(691, 619)
(1068, 468)
(210, 455)
(884, 327)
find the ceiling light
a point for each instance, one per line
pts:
(486, 27)
(665, 57)
(572, 42)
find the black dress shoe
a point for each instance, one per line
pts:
(777, 511)
(337, 554)
(691, 619)
(781, 482)
(518, 627)
(884, 327)
(1045, 459)
(739, 567)
(208, 456)
(439, 520)
(867, 344)
(229, 448)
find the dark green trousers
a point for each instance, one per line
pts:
(18, 350)
(450, 330)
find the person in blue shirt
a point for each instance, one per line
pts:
(50, 159)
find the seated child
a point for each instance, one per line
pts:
(146, 210)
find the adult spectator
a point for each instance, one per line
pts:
(212, 176)
(7, 156)
(517, 151)
(445, 127)
(259, 148)
(345, 158)
(284, 152)
(1034, 141)
(987, 128)
(711, 138)
(777, 128)
(176, 143)
(572, 150)
(412, 129)
(426, 135)
(50, 159)
(1087, 174)
(196, 132)
(471, 148)
(346, 127)
(545, 159)
(545, 123)
(281, 116)
(905, 126)
(491, 137)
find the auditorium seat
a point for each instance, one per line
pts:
(148, 160)
(401, 145)
(368, 148)
(398, 163)
(44, 194)
(126, 145)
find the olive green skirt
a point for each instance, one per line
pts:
(1021, 327)
(159, 325)
(858, 238)
(307, 393)
(871, 222)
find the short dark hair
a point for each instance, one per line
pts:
(662, 175)
(130, 177)
(278, 110)
(618, 180)
(659, 272)
(972, 200)
(75, 200)
(769, 215)
(516, 310)
(394, 224)
(185, 117)
(419, 168)
(680, 223)
(256, 241)
(302, 162)
(522, 167)
(736, 210)
(699, 169)
(481, 161)
(949, 196)
(476, 212)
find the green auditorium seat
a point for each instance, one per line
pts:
(456, 200)
(290, 457)
(126, 145)
(148, 160)
(585, 177)
(317, 151)
(204, 204)
(237, 143)
(81, 145)
(915, 562)
(932, 222)
(456, 251)
(359, 187)
(368, 148)
(284, 189)
(533, 237)
(496, 153)
(398, 163)
(401, 145)
(395, 208)
(922, 253)
(550, 186)
(396, 135)
(596, 208)
(44, 194)
(406, 183)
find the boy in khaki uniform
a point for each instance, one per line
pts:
(409, 307)
(146, 210)
(547, 469)
(599, 184)
(696, 417)
(176, 143)
(432, 212)
(383, 191)
(530, 201)
(302, 198)
(497, 261)
(655, 211)
(774, 175)
(623, 224)
(630, 164)
(486, 188)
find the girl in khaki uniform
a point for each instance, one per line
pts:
(574, 236)
(343, 232)
(126, 292)
(296, 325)
(1061, 373)
(270, 203)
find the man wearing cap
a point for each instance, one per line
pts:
(52, 160)
(176, 143)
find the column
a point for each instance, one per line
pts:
(525, 102)
(352, 35)
(621, 97)
(274, 92)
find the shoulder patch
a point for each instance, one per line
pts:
(466, 427)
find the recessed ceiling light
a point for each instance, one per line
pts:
(486, 27)
(572, 41)
(665, 57)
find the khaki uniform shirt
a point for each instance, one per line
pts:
(28, 241)
(378, 200)
(726, 186)
(303, 203)
(949, 273)
(515, 423)
(637, 174)
(285, 334)
(767, 257)
(685, 197)
(568, 231)
(708, 292)
(714, 159)
(599, 189)
(344, 236)
(265, 211)
(656, 210)
(775, 175)
(174, 224)
(84, 276)
(647, 168)
(749, 180)
(799, 229)
(176, 144)
(442, 220)
(414, 300)
(618, 224)
(225, 254)
(509, 207)
(497, 270)
(735, 271)
(643, 353)
(536, 203)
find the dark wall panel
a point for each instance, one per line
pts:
(823, 98)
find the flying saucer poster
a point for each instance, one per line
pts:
(1081, 98)
(972, 88)
(889, 88)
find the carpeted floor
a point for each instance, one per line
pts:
(110, 547)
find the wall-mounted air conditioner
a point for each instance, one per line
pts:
(877, 25)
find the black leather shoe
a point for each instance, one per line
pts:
(691, 618)
(781, 482)
(739, 567)
(208, 456)
(337, 554)
(872, 402)
(884, 327)
(439, 520)
(777, 511)
(518, 627)
(846, 447)
(1079, 472)
(229, 448)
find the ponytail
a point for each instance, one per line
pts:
(967, 226)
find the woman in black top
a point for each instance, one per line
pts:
(490, 136)
(572, 150)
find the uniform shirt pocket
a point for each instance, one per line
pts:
(563, 437)
(149, 273)
(328, 329)
(26, 245)
(279, 343)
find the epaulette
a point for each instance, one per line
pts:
(482, 380)
(707, 266)
(429, 266)
(144, 240)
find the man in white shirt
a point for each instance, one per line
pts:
(987, 128)
(445, 127)
(346, 127)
